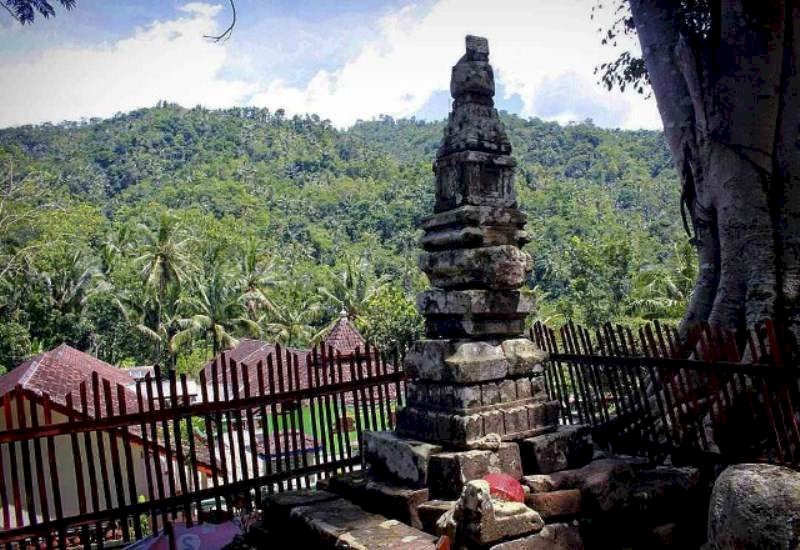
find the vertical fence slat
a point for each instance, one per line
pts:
(251, 430)
(274, 417)
(130, 474)
(101, 442)
(312, 409)
(27, 477)
(190, 436)
(146, 454)
(344, 420)
(226, 377)
(282, 381)
(265, 432)
(207, 421)
(299, 411)
(154, 441)
(113, 449)
(44, 505)
(166, 441)
(223, 455)
(337, 417)
(180, 458)
(233, 369)
(52, 466)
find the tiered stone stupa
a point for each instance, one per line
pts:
(475, 374)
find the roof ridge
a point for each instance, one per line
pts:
(35, 362)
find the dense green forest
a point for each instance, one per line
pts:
(165, 233)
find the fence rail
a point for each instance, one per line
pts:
(715, 394)
(124, 462)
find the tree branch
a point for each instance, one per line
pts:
(227, 32)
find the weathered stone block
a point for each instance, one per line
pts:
(523, 356)
(482, 302)
(490, 393)
(388, 499)
(507, 460)
(278, 506)
(605, 484)
(543, 416)
(474, 177)
(556, 536)
(480, 520)
(472, 237)
(429, 513)
(342, 524)
(475, 362)
(494, 267)
(508, 391)
(555, 504)
(568, 447)
(396, 458)
(515, 420)
(474, 216)
(425, 358)
(466, 397)
(449, 472)
(457, 326)
(523, 388)
(465, 429)
(463, 362)
(493, 423)
(442, 420)
(537, 386)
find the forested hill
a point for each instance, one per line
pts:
(192, 226)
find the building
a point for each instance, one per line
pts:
(289, 372)
(58, 375)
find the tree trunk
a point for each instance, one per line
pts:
(729, 104)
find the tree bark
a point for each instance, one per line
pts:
(729, 104)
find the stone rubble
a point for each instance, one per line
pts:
(477, 520)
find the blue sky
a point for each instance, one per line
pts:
(344, 60)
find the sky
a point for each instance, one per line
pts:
(345, 60)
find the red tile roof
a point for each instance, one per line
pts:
(60, 372)
(250, 353)
(344, 337)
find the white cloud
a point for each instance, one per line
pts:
(544, 51)
(164, 60)
(533, 44)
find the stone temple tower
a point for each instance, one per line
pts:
(475, 374)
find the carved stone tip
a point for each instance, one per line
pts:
(477, 47)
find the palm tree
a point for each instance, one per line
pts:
(664, 293)
(163, 254)
(352, 287)
(219, 312)
(165, 264)
(256, 275)
(71, 284)
(139, 311)
(291, 326)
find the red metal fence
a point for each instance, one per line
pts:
(715, 394)
(121, 463)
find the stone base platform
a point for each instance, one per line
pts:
(511, 421)
(405, 462)
(393, 501)
(320, 519)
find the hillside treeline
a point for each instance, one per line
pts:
(165, 234)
